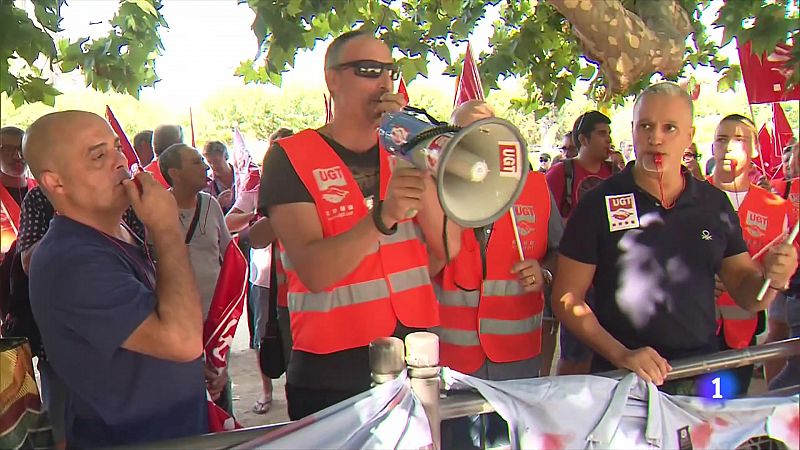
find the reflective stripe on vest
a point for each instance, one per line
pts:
(498, 320)
(762, 216)
(390, 284)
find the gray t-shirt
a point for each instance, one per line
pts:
(207, 246)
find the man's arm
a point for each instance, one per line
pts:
(320, 262)
(743, 278)
(174, 330)
(261, 233)
(570, 308)
(237, 220)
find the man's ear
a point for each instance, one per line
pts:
(51, 182)
(173, 174)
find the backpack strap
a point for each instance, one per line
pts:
(195, 219)
(787, 189)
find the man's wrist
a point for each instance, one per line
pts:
(380, 224)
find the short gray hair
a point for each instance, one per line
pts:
(171, 159)
(668, 88)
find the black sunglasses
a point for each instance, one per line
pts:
(367, 68)
(688, 155)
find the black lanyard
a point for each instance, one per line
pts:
(195, 219)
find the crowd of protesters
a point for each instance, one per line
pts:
(640, 259)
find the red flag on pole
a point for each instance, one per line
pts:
(328, 108)
(127, 148)
(248, 177)
(469, 83)
(226, 308)
(772, 138)
(402, 89)
(191, 125)
(765, 76)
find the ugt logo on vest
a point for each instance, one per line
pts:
(526, 219)
(622, 213)
(328, 181)
(756, 224)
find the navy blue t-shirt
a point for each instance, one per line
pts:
(654, 281)
(89, 292)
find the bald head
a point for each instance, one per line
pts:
(54, 138)
(471, 111)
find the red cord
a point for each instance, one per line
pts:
(657, 161)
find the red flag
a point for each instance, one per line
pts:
(127, 148)
(469, 83)
(248, 177)
(191, 125)
(328, 108)
(765, 76)
(401, 89)
(226, 308)
(783, 132)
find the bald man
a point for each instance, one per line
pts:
(124, 337)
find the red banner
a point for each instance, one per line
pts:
(765, 75)
(468, 85)
(772, 138)
(191, 125)
(127, 148)
(226, 308)
(402, 89)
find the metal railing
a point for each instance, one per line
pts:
(387, 361)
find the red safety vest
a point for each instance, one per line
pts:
(392, 283)
(492, 317)
(762, 216)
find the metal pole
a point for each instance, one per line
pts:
(386, 359)
(422, 357)
(729, 359)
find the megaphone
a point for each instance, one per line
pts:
(480, 169)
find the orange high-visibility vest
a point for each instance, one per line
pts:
(392, 283)
(762, 216)
(492, 317)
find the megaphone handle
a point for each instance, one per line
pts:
(516, 233)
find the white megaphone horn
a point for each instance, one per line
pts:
(480, 169)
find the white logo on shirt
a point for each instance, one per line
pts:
(706, 236)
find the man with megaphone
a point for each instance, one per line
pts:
(491, 302)
(357, 267)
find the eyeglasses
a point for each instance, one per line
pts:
(544, 160)
(367, 68)
(691, 156)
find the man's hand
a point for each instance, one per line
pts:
(154, 205)
(780, 263)
(530, 275)
(390, 103)
(215, 382)
(719, 288)
(403, 194)
(646, 363)
(225, 199)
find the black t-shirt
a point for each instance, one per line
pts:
(280, 184)
(654, 283)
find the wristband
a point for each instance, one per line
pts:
(376, 218)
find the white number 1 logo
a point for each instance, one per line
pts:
(716, 382)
